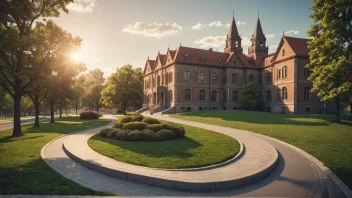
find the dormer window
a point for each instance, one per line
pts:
(203, 58)
(283, 52)
(234, 62)
(186, 56)
(219, 59)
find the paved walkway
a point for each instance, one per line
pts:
(4, 126)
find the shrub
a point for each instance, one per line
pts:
(135, 126)
(89, 115)
(105, 131)
(125, 119)
(155, 127)
(148, 135)
(122, 135)
(137, 117)
(118, 125)
(135, 135)
(151, 120)
(178, 130)
(165, 134)
(112, 134)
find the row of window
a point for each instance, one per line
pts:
(282, 94)
(213, 95)
(168, 79)
(214, 77)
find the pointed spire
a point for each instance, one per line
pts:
(258, 31)
(233, 29)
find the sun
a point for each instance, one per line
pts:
(77, 56)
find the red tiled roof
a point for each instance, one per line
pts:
(172, 53)
(196, 54)
(298, 45)
(152, 64)
(162, 58)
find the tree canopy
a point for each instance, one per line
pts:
(251, 95)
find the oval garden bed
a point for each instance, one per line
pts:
(198, 148)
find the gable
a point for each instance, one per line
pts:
(234, 60)
(283, 47)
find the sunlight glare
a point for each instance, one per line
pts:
(77, 56)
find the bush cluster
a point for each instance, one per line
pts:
(89, 115)
(139, 128)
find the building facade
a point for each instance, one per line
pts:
(190, 79)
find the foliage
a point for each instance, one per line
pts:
(251, 96)
(137, 117)
(118, 125)
(105, 132)
(6, 102)
(150, 120)
(331, 50)
(124, 88)
(125, 119)
(135, 135)
(92, 87)
(135, 125)
(89, 115)
(165, 134)
(155, 127)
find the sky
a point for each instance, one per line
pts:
(120, 32)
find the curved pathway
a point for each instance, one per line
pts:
(294, 176)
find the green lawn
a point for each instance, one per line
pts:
(318, 135)
(22, 170)
(198, 148)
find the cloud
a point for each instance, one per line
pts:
(153, 29)
(228, 25)
(215, 24)
(291, 32)
(272, 48)
(197, 27)
(211, 41)
(82, 6)
(240, 23)
(269, 36)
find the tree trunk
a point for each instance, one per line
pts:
(97, 107)
(337, 110)
(17, 115)
(52, 120)
(76, 109)
(60, 109)
(36, 108)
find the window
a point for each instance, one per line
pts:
(283, 52)
(170, 77)
(251, 77)
(214, 96)
(268, 77)
(279, 74)
(158, 79)
(235, 96)
(219, 60)
(268, 96)
(170, 95)
(201, 95)
(187, 76)
(306, 93)
(234, 77)
(201, 76)
(203, 58)
(167, 78)
(214, 77)
(225, 96)
(187, 94)
(234, 62)
(284, 72)
(187, 56)
(225, 78)
(306, 72)
(278, 94)
(284, 93)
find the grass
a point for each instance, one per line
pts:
(22, 170)
(198, 148)
(318, 135)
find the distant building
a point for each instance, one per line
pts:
(190, 79)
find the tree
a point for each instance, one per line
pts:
(94, 83)
(331, 50)
(251, 95)
(123, 88)
(16, 20)
(6, 102)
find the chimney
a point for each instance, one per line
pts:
(211, 49)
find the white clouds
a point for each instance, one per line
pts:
(197, 27)
(240, 23)
(215, 24)
(228, 25)
(211, 41)
(153, 29)
(82, 6)
(291, 32)
(269, 36)
(272, 48)
(246, 41)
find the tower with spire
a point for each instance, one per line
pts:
(258, 49)
(233, 39)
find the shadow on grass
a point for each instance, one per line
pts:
(269, 118)
(178, 148)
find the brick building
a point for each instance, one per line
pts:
(190, 79)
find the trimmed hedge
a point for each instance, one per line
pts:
(89, 115)
(127, 129)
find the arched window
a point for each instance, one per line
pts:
(187, 75)
(214, 96)
(234, 77)
(187, 94)
(235, 96)
(201, 77)
(201, 95)
(170, 95)
(214, 77)
(268, 77)
(284, 72)
(268, 96)
(170, 77)
(251, 77)
(307, 93)
(279, 74)
(284, 93)
(166, 78)
(278, 94)
(306, 72)
(158, 80)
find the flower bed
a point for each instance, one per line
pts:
(139, 128)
